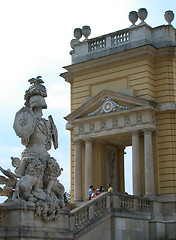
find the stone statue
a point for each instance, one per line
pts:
(35, 178)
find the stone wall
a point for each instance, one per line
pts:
(111, 216)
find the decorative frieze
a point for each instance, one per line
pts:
(103, 125)
(81, 128)
(139, 118)
(91, 127)
(126, 120)
(115, 123)
(153, 118)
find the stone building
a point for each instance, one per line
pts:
(123, 94)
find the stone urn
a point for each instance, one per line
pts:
(133, 17)
(142, 14)
(77, 33)
(86, 31)
(73, 43)
(169, 16)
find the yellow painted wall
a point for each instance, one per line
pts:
(151, 76)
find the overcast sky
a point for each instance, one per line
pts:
(35, 40)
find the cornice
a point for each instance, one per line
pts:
(76, 69)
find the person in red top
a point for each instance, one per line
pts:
(93, 193)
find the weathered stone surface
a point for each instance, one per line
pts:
(35, 178)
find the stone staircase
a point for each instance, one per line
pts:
(97, 217)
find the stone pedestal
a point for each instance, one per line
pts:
(18, 222)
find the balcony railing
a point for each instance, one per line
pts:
(104, 204)
(97, 44)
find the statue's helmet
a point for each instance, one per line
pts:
(37, 101)
(36, 93)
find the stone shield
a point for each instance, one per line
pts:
(24, 122)
(54, 132)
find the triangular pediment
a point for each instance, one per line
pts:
(107, 102)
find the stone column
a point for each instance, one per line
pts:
(78, 172)
(88, 166)
(136, 165)
(148, 163)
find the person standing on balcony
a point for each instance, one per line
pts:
(90, 192)
(109, 187)
(100, 190)
(93, 193)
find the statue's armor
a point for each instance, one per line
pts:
(37, 145)
(41, 137)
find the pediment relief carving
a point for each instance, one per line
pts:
(108, 103)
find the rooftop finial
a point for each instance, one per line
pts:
(86, 31)
(77, 33)
(169, 16)
(142, 14)
(133, 17)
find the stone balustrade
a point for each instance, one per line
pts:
(106, 203)
(90, 210)
(125, 39)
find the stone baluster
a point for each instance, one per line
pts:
(136, 165)
(78, 172)
(88, 166)
(148, 163)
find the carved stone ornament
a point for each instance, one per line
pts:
(54, 132)
(35, 176)
(91, 127)
(24, 122)
(108, 105)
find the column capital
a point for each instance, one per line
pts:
(148, 130)
(88, 140)
(77, 141)
(135, 133)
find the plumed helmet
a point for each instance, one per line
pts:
(36, 89)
